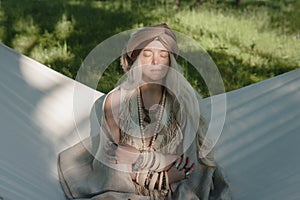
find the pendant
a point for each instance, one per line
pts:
(147, 118)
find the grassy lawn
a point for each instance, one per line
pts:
(249, 43)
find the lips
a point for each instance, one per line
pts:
(156, 70)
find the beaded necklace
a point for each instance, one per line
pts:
(139, 101)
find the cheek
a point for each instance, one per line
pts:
(145, 61)
(165, 61)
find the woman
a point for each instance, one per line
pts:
(151, 131)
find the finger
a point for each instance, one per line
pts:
(177, 162)
(191, 169)
(110, 159)
(187, 162)
(187, 174)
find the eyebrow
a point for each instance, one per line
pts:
(150, 49)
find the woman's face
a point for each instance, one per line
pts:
(155, 61)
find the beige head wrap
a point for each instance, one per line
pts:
(143, 37)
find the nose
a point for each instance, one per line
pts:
(155, 59)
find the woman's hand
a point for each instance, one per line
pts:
(121, 154)
(176, 174)
(126, 154)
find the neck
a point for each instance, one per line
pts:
(151, 94)
(152, 88)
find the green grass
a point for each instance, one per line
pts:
(249, 43)
(243, 43)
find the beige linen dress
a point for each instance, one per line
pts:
(85, 175)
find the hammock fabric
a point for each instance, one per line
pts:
(258, 148)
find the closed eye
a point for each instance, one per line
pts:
(147, 53)
(164, 54)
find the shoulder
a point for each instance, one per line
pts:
(112, 100)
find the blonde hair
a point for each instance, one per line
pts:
(189, 116)
(178, 87)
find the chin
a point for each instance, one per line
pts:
(154, 78)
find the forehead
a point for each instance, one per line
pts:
(156, 44)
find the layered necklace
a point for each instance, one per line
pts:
(147, 119)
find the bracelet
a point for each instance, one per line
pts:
(167, 181)
(153, 181)
(148, 160)
(152, 160)
(148, 157)
(155, 162)
(137, 165)
(160, 182)
(137, 177)
(147, 182)
(142, 179)
(158, 161)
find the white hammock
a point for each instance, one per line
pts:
(258, 148)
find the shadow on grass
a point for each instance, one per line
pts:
(237, 73)
(73, 27)
(61, 33)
